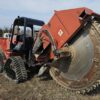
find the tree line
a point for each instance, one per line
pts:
(5, 30)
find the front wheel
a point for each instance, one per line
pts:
(15, 69)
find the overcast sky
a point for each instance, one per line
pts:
(39, 9)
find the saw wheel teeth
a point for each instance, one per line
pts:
(98, 82)
(94, 86)
(94, 83)
(88, 90)
(83, 92)
(78, 92)
(97, 24)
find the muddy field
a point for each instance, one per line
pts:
(39, 88)
(42, 88)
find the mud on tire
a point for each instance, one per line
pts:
(15, 69)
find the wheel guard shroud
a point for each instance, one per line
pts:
(80, 71)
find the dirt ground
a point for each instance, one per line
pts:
(39, 88)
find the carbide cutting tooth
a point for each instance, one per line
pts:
(94, 86)
(91, 88)
(96, 60)
(78, 92)
(83, 91)
(98, 82)
(98, 26)
(88, 90)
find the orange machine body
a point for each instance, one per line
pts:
(64, 25)
(5, 45)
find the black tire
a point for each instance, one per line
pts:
(15, 69)
(2, 57)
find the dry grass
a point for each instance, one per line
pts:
(43, 88)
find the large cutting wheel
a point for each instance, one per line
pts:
(81, 71)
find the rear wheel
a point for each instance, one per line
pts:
(15, 69)
(2, 57)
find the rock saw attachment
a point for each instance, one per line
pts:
(80, 72)
(69, 45)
